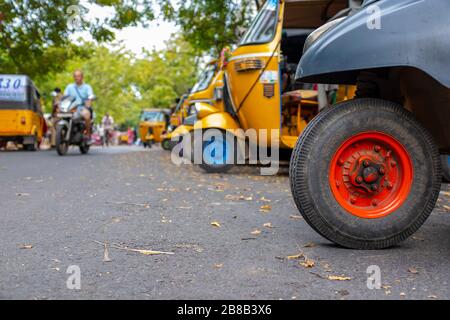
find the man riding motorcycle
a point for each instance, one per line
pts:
(82, 93)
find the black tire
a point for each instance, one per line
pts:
(310, 173)
(61, 146)
(84, 148)
(446, 168)
(32, 147)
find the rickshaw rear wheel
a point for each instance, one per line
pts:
(366, 174)
(32, 147)
(446, 168)
(61, 146)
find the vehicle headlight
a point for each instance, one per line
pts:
(315, 35)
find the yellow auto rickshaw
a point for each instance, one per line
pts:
(21, 117)
(153, 126)
(206, 94)
(259, 90)
(180, 113)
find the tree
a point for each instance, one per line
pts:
(210, 25)
(125, 84)
(35, 34)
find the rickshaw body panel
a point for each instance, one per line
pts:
(220, 120)
(414, 58)
(157, 128)
(354, 46)
(253, 74)
(180, 131)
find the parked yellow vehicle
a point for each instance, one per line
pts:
(259, 88)
(21, 117)
(153, 126)
(206, 94)
(180, 113)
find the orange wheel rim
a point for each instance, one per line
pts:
(371, 175)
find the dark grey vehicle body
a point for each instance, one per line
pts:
(408, 57)
(403, 40)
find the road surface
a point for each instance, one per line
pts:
(233, 236)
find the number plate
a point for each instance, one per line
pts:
(13, 88)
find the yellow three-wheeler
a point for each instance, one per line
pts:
(259, 88)
(21, 117)
(205, 97)
(153, 126)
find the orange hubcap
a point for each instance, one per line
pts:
(371, 175)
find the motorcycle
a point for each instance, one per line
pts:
(70, 127)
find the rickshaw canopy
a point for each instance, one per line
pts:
(311, 14)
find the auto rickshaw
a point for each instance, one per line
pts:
(21, 117)
(259, 92)
(177, 118)
(153, 126)
(366, 174)
(179, 114)
(205, 95)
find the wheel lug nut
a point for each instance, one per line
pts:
(375, 203)
(366, 163)
(377, 148)
(359, 180)
(353, 200)
(393, 164)
(338, 184)
(389, 186)
(382, 171)
(341, 162)
(374, 187)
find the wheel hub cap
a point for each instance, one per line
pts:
(371, 175)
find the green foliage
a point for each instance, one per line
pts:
(125, 84)
(210, 25)
(35, 34)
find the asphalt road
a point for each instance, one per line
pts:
(56, 212)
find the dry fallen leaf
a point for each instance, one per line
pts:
(296, 257)
(215, 224)
(218, 266)
(26, 246)
(413, 270)
(106, 254)
(151, 252)
(268, 225)
(308, 264)
(256, 232)
(309, 245)
(296, 217)
(339, 278)
(22, 194)
(266, 208)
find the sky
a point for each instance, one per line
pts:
(134, 38)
